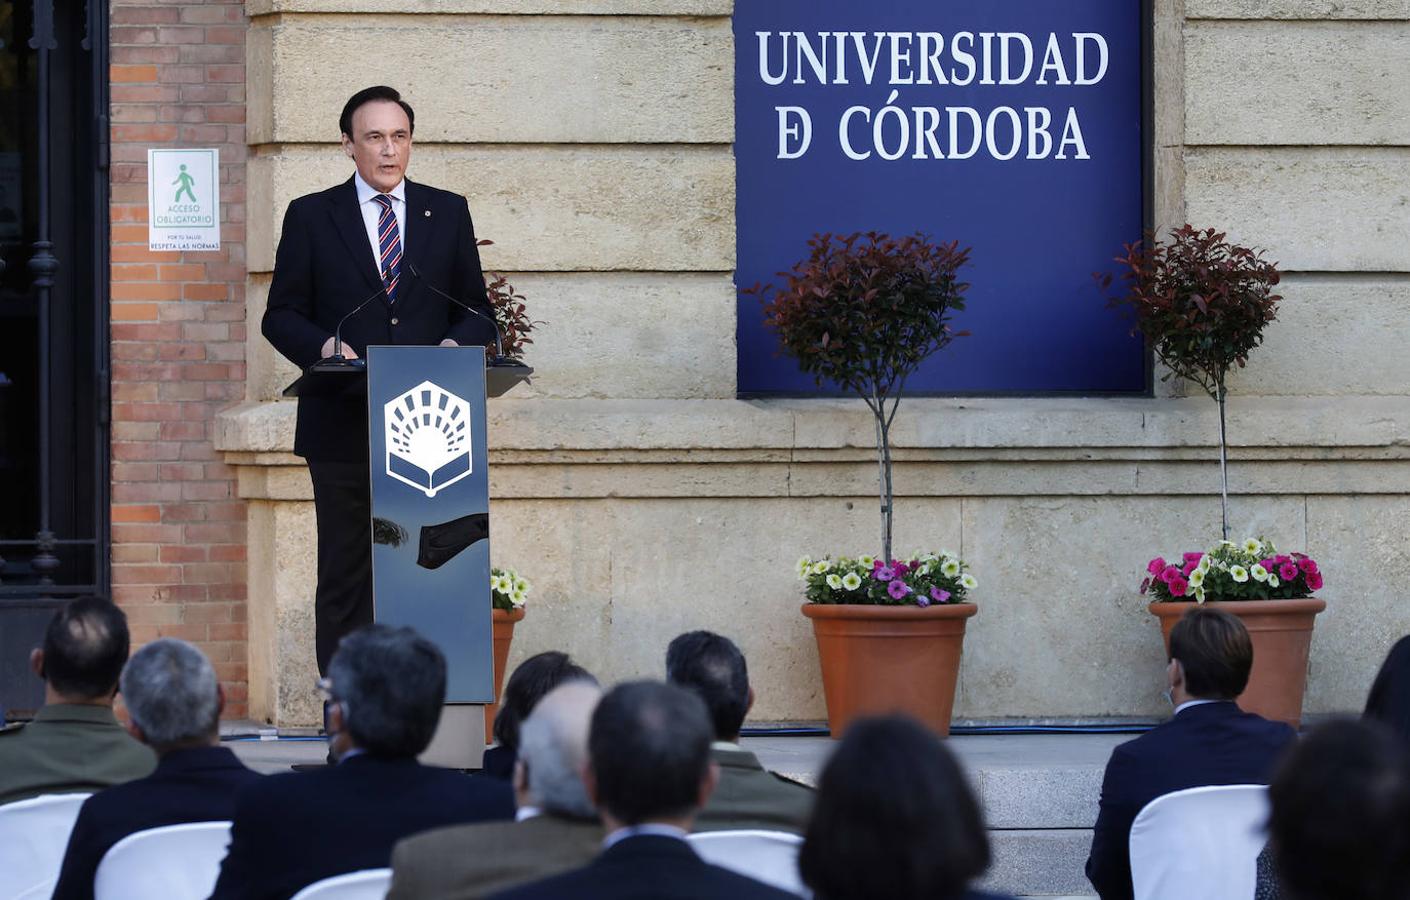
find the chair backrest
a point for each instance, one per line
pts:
(175, 862)
(33, 837)
(369, 884)
(767, 856)
(1202, 842)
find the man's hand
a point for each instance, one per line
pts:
(348, 352)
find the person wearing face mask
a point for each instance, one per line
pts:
(400, 247)
(1208, 740)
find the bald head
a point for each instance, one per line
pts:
(553, 749)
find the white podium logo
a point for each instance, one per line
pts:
(428, 438)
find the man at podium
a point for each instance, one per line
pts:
(367, 262)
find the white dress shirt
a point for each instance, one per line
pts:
(372, 210)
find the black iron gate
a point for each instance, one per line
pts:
(54, 378)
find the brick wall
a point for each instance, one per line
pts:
(178, 336)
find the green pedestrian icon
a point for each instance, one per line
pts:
(185, 180)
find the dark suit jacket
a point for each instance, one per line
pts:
(292, 830)
(647, 867)
(324, 268)
(498, 762)
(67, 749)
(469, 862)
(750, 796)
(1214, 743)
(196, 785)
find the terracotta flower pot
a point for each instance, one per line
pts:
(889, 659)
(1281, 631)
(503, 635)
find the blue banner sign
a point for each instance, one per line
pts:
(1010, 126)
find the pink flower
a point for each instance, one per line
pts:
(900, 568)
(1145, 585)
(1287, 571)
(1169, 573)
(1190, 566)
(1307, 565)
(939, 595)
(1281, 558)
(1270, 564)
(883, 573)
(1194, 557)
(1156, 566)
(1178, 586)
(1314, 581)
(897, 589)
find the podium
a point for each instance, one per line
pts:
(429, 487)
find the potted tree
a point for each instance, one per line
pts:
(863, 312)
(1202, 304)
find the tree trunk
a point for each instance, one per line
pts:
(883, 454)
(1223, 463)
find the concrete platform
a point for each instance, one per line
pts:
(1039, 794)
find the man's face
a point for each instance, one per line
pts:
(380, 145)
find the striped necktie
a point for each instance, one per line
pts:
(388, 246)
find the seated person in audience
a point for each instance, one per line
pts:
(747, 795)
(385, 688)
(1340, 822)
(1389, 699)
(528, 684)
(557, 827)
(75, 743)
(895, 818)
(1208, 741)
(174, 703)
(1387, 704)
(648, 772)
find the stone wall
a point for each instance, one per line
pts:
(643, 500)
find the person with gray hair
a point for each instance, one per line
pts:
(557, 828)
(174, 703)
(385, 688)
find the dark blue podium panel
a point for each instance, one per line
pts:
(430, 505)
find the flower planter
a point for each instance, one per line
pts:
(889, 659)
(503, 635)
(1281, 631)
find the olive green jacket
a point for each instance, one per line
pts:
(69, 748)
(750, 796)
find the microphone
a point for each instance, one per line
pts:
(499, 359)
(338, 332)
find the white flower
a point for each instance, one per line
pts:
(950, 568)
(1253, 546)
(834, 582)
(1273, 580)
(1258, 572)
(1238, 573)
(1227, 544)
(946, 554)
(927, 557)
(1203, 564)
(1196, 578)
(967, 582)
(822, 567)
(1199, 595)
(516, 597)
(501, 584)
(867, 561)
(805, 565)
(924, 569)
(521, 584)
(851, 581)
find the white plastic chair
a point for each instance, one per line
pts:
(368, 884)
(767, 856)
(175, 862)
(33, 837)
(1202, 842)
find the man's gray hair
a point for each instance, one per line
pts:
(553, 748)
(171, 693)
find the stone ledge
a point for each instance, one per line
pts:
(1288, 427)
(1268, 10)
